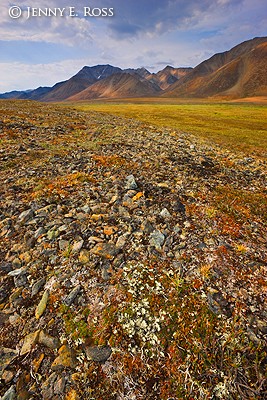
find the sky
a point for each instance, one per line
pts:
(40, 50)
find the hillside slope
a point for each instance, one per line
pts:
(239, 72)
(119, 85)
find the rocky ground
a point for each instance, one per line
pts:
(132, 261)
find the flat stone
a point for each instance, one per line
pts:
(48, 386)
(48, 340)
(6, 357)
(122, 240)
(77, 246)
(63, 244)
(39, 232)
(42, 305)
(10, 394)
(84, 256)
(65, 359)
(26, 216)
(130, 183)
(156, 239)
(37, 286)
(165, 214)
(98, 353)
(72, 295)
(29, 341)
(59, 385)
(105, 250)
(7, 376)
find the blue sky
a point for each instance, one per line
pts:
(40, 51)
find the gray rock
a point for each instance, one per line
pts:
(39, 232)
(59, 385)
(17, 272)
(48, 386)
(25, 216)
(48, 340)
(130, 183)
(63, 244)
(10, 394)
(156, 239)
(72, 295)
(37, 286)
(20, 281)
(122, 240)
(165, 214)
(77, 246)
(98, 353)
(6, 357)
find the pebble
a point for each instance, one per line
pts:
(130, 183)
(48, 340)
(25, 216)
(10, 394)
(157, 239)
(29, 341)
(42, 305)
(165, 214)
(65, 359)
(106, 250)
(37, 286)
(72, 295)
(98, 353)
(6, 357)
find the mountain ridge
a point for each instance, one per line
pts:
(236, 73)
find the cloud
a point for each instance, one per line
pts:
(22, 76)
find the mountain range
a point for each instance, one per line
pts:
(239, 72)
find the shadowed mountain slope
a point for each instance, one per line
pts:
(118, 86)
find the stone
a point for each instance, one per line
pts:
(122, 240)
(156, 239)
(6, 357)
(63, 244)
(179, 207)
(65, 359)
(48, 340)
(39, 232)
(106, 250)
(29, 341)
(37, 286)
(15, 294)
(7, 376)
(109, 230)
(77, 246)
(98, 353)
(52, 234)
(48, 386)
(59, 385)
(130, 183)
(42, 305)
(10, 394)
(165, 214)
(217, 303)
(17, 272)
(69, 299)
(25, 216)
(84, 256)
